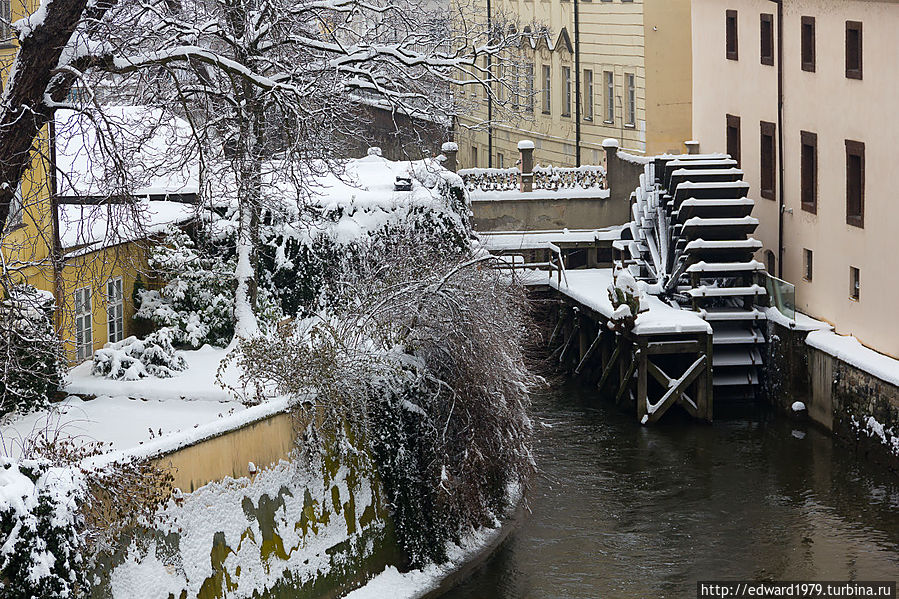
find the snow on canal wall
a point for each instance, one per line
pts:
(849, 389)
(252, 516)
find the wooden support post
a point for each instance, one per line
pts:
(586, 355)
(674, 347)
(626, 379)
(610, 365)
(574, 331)
(642, 384)
(559, 323)
(709, 372)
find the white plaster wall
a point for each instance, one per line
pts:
(836, 108)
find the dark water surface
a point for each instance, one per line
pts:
(626, 511)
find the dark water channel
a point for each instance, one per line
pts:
(625, 511)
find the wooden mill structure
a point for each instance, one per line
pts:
(699, 338)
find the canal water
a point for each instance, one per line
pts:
(624, 511)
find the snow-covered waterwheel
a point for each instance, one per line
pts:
(690, 240)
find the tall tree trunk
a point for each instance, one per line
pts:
(24, 110)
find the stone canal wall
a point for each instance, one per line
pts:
(857, 406)
(254, 516)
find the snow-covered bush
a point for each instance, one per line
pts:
(197, 298)
(421, 356)
(301, 261)
(58, 513)
(41, 555)
(627, 298)
(31, 357)
(133, 358)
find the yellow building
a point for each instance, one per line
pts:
(587, 71)
(69, 234)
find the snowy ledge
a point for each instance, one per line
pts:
(800, 323)
(201, 432)
(145, 418)
(578, 193)
(849, 350)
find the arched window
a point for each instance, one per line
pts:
(770, 262)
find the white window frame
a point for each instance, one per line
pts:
(115, 310)
(5, 21)
(529, 74)
(610, 96)
(588, 94)
(566, 91)
(631, 110)
(84, 324)
(547, 88)
(15, 217)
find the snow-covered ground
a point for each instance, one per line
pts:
(145, 417)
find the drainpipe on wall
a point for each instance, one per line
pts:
(577, 85)
(780, 138)
(490, 95)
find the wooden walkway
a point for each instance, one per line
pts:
(664, 360)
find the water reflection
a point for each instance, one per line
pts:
(625, 511)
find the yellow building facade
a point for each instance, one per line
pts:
(623, 71)
(93, 284)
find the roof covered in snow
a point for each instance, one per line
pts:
(126, 150)
(91, 226)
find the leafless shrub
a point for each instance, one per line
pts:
(423, 357)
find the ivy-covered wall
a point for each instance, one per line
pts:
(311, 526)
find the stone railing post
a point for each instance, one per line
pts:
(450, 149)
(526, 147)
(610, 145)
(692, 146)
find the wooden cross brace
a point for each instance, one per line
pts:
(675, 389)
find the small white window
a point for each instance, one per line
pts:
(588, 94)
(529, 75)
(547, 88)
(5, 20)
(84, 337)
(115, 310)
(16, 208)
(610, 96)
(631, 100)
(500, 161)
(566, 91)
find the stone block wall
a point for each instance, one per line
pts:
(860, 409)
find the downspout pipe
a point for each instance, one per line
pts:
(577, 84)
(781, 204)
(490, 92)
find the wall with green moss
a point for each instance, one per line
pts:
(314, 525)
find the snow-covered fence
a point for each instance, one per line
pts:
(546, 178)
(582, 177)
(491, 179)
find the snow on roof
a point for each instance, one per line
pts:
(363, 199)
(523, 240)
(590, 288)
(91, 226)
(156, 150)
